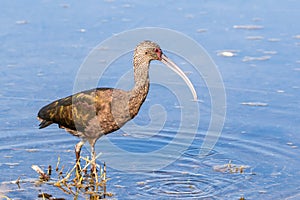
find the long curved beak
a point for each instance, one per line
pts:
(175, 68)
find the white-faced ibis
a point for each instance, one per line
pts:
(93, 113)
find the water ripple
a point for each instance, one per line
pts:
(172, 184)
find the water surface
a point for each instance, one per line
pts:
(255, 46)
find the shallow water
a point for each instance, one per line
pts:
(256, 48)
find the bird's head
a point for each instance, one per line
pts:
(148, 50)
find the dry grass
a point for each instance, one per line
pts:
(77, 182)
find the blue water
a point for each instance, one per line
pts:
(44, 43)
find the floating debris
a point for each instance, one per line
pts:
(262, 191)
(31, 150)
(227, 53)
(119, 186)
(248, 27)
(260, 58)
(190, 16)
(257, 19)
(40, 74)
(255, 38)
(203, 30)
(273, 39)
(21, 22)
(270, 52)
(141, 183)
(7, 156)
(82, 30)
(296, 36)
(230, 168)
(292, 145)
(125, 134)
(11, 164)
(254, 104)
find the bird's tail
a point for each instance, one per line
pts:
(44, 123)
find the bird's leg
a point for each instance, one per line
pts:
(77, 152)
(93, 161)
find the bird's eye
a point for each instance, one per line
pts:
(146, 52)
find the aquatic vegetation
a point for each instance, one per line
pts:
(76, 182)
(230, 168)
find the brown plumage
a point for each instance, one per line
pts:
(93, 113)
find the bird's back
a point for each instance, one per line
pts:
(90, 112)
(61, 112)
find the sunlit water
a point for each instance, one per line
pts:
(256, 50)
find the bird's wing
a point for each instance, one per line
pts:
(73, 112)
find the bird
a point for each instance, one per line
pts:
(93, 113)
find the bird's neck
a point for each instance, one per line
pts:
(141, 86)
